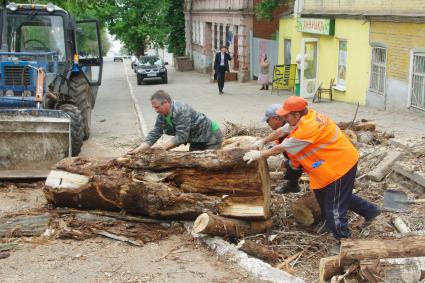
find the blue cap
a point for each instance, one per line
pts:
(271, 112)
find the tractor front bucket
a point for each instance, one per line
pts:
(32, 141)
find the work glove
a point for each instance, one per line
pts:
(251, 156)
(258, 144)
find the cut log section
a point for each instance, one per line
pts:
(222, 226)
(306, 209)
(165, 184)
(358, 250)
(328, 267)
(259, 251)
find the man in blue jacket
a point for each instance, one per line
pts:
(178, 119)
(221, 65)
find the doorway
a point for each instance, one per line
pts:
(309, 58)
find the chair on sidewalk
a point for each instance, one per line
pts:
(318, 95)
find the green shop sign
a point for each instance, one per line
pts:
(316, 26)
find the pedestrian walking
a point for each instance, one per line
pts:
(263, 77)
(221, 66)
(181, 121)
(316, 144)
(281, 130)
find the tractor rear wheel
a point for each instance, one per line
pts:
(80, 92)
(76, 127)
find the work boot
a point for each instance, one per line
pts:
(289, 187)
(267, 87)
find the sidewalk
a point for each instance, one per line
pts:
(244, 103)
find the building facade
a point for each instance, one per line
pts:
(375, 50)
(213, 23)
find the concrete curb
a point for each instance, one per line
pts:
(255, 266)
(140, 119)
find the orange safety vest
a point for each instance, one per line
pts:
(330, 154)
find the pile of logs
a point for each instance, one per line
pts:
(383, 260)
(170, 185)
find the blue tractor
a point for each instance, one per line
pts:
(50, 71)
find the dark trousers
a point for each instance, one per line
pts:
(291, 174)
(213, 143)
(220, 77)
(336, 198)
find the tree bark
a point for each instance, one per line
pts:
(259, 251)
(393, 270)
(352, 250)
(24, 225)
(222, 226)
(306, 209)
(165, 184)
(328, 267)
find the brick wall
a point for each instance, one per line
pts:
(399, 39)
(397, 7)
(266, 29)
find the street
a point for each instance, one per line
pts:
(115, 129)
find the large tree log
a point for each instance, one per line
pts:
(223, 226)
(165, 184)
(357, 250)
(306, 209)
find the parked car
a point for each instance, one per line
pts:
(151, 68)
(118, 59)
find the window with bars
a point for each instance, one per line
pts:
(378, 70)
(342, 63)
(418, 81)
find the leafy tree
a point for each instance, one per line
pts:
(175, 19)
(138, 24)
(264, 9)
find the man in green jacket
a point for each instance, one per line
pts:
(178, 119)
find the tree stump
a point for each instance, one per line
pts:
(306, 209)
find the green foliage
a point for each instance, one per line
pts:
(175, 19)
(136, 23)
(264, 10)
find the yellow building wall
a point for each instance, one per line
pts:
(389, 7)
(399, 39)
(356, 32)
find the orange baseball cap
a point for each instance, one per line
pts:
(292, 104)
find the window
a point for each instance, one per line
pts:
(342, 63)
(378, 70)
(36, 33)
(418, 81)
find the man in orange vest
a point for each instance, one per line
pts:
(317, 144)
(280, 132)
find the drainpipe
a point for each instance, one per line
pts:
(190, 29)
